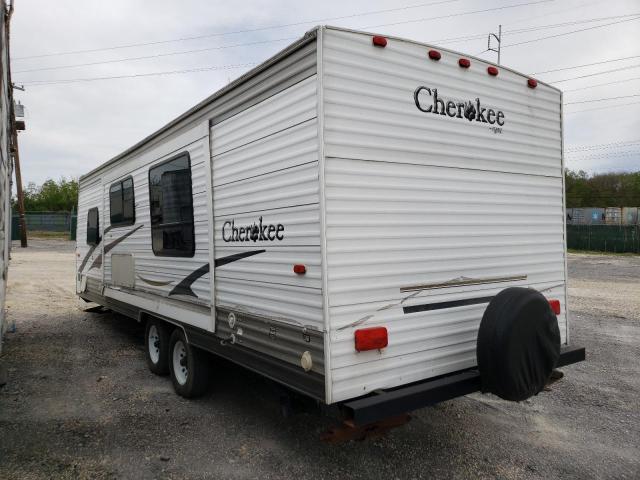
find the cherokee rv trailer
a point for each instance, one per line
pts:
(345, 219)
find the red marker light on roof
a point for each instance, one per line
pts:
(299, 269)
(493, 71)
(379, 41)
(373, 338)
(434, 55)
(464, 63)
(532, 83)
(555, 306)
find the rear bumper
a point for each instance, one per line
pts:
(389, 403)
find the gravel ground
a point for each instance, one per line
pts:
(80, 402)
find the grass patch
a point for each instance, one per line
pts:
(44, 234)
(595, 252)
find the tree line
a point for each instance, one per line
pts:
(602, 190)
(582, 190)
(51, 196)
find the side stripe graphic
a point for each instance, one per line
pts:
(92, 249)
(184, 287)
(155, 283)
(440, 305)
(97, 263)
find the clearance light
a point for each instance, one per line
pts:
(532, 83)
(299, 269)
(464, 63)
(373, 338)
(493, 71)
(434, 55)
(379, 41)
(555, 306)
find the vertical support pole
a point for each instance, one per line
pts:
(499, 42)
(16, 166)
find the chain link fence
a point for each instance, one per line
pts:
(50, 222)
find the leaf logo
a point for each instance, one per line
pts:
(469, 111)
(255, 232)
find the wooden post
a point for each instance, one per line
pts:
(14, 141)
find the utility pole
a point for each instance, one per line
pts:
(14, 142)
(498, 39)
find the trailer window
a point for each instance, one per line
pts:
(171, 206)
(93, 226)
(121, 203)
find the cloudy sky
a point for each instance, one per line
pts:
(74, 126)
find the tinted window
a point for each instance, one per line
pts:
(93, 226)
(121, 205)
(171, 205)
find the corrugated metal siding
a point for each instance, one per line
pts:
(160, 269)
(89, 196)
(415, 198)
(265, 165)
(187, 133)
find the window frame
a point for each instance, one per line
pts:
(174, 253)
(98, 236)
(123, 223)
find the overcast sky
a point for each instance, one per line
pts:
(73, 127)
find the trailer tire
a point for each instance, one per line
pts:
(188, 365)
(518, 344)
(156, 336)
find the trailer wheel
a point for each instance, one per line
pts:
(156, 336)
(188, 366)
(518, 344)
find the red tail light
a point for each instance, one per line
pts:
(555, 306)
(379, 41)
(299, 269)
(493, 71)
(464, 63)
(434, 55)
(373, 338)
(532, 83)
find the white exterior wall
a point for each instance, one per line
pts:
(6, 166)
(148, 266)
(265, 164)
(415, 198)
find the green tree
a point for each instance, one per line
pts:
(602, 190)
(51, 196)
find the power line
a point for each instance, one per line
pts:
(604, 145)
(595, 74)
(602, 99)
(171, 72)
(602, 84)
(601, 108)
(587, 64)
(59, 67)
(477, 36)
(248, 30)
(440, 17)
(571, 32)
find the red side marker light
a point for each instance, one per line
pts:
(464, 63)
(434, 55)
(379, 41)
(373, 338)
(532, 83)
(493, 71)
(299, 269)
(555, 306)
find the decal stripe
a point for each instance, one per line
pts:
(155, 283)
(184, 287)
(235, 257)
(98, 261)
(92, 249)
(440, 305)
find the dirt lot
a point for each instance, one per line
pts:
(80, 402)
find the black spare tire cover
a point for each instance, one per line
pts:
(518, 344)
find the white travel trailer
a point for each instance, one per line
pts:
(338, 220)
